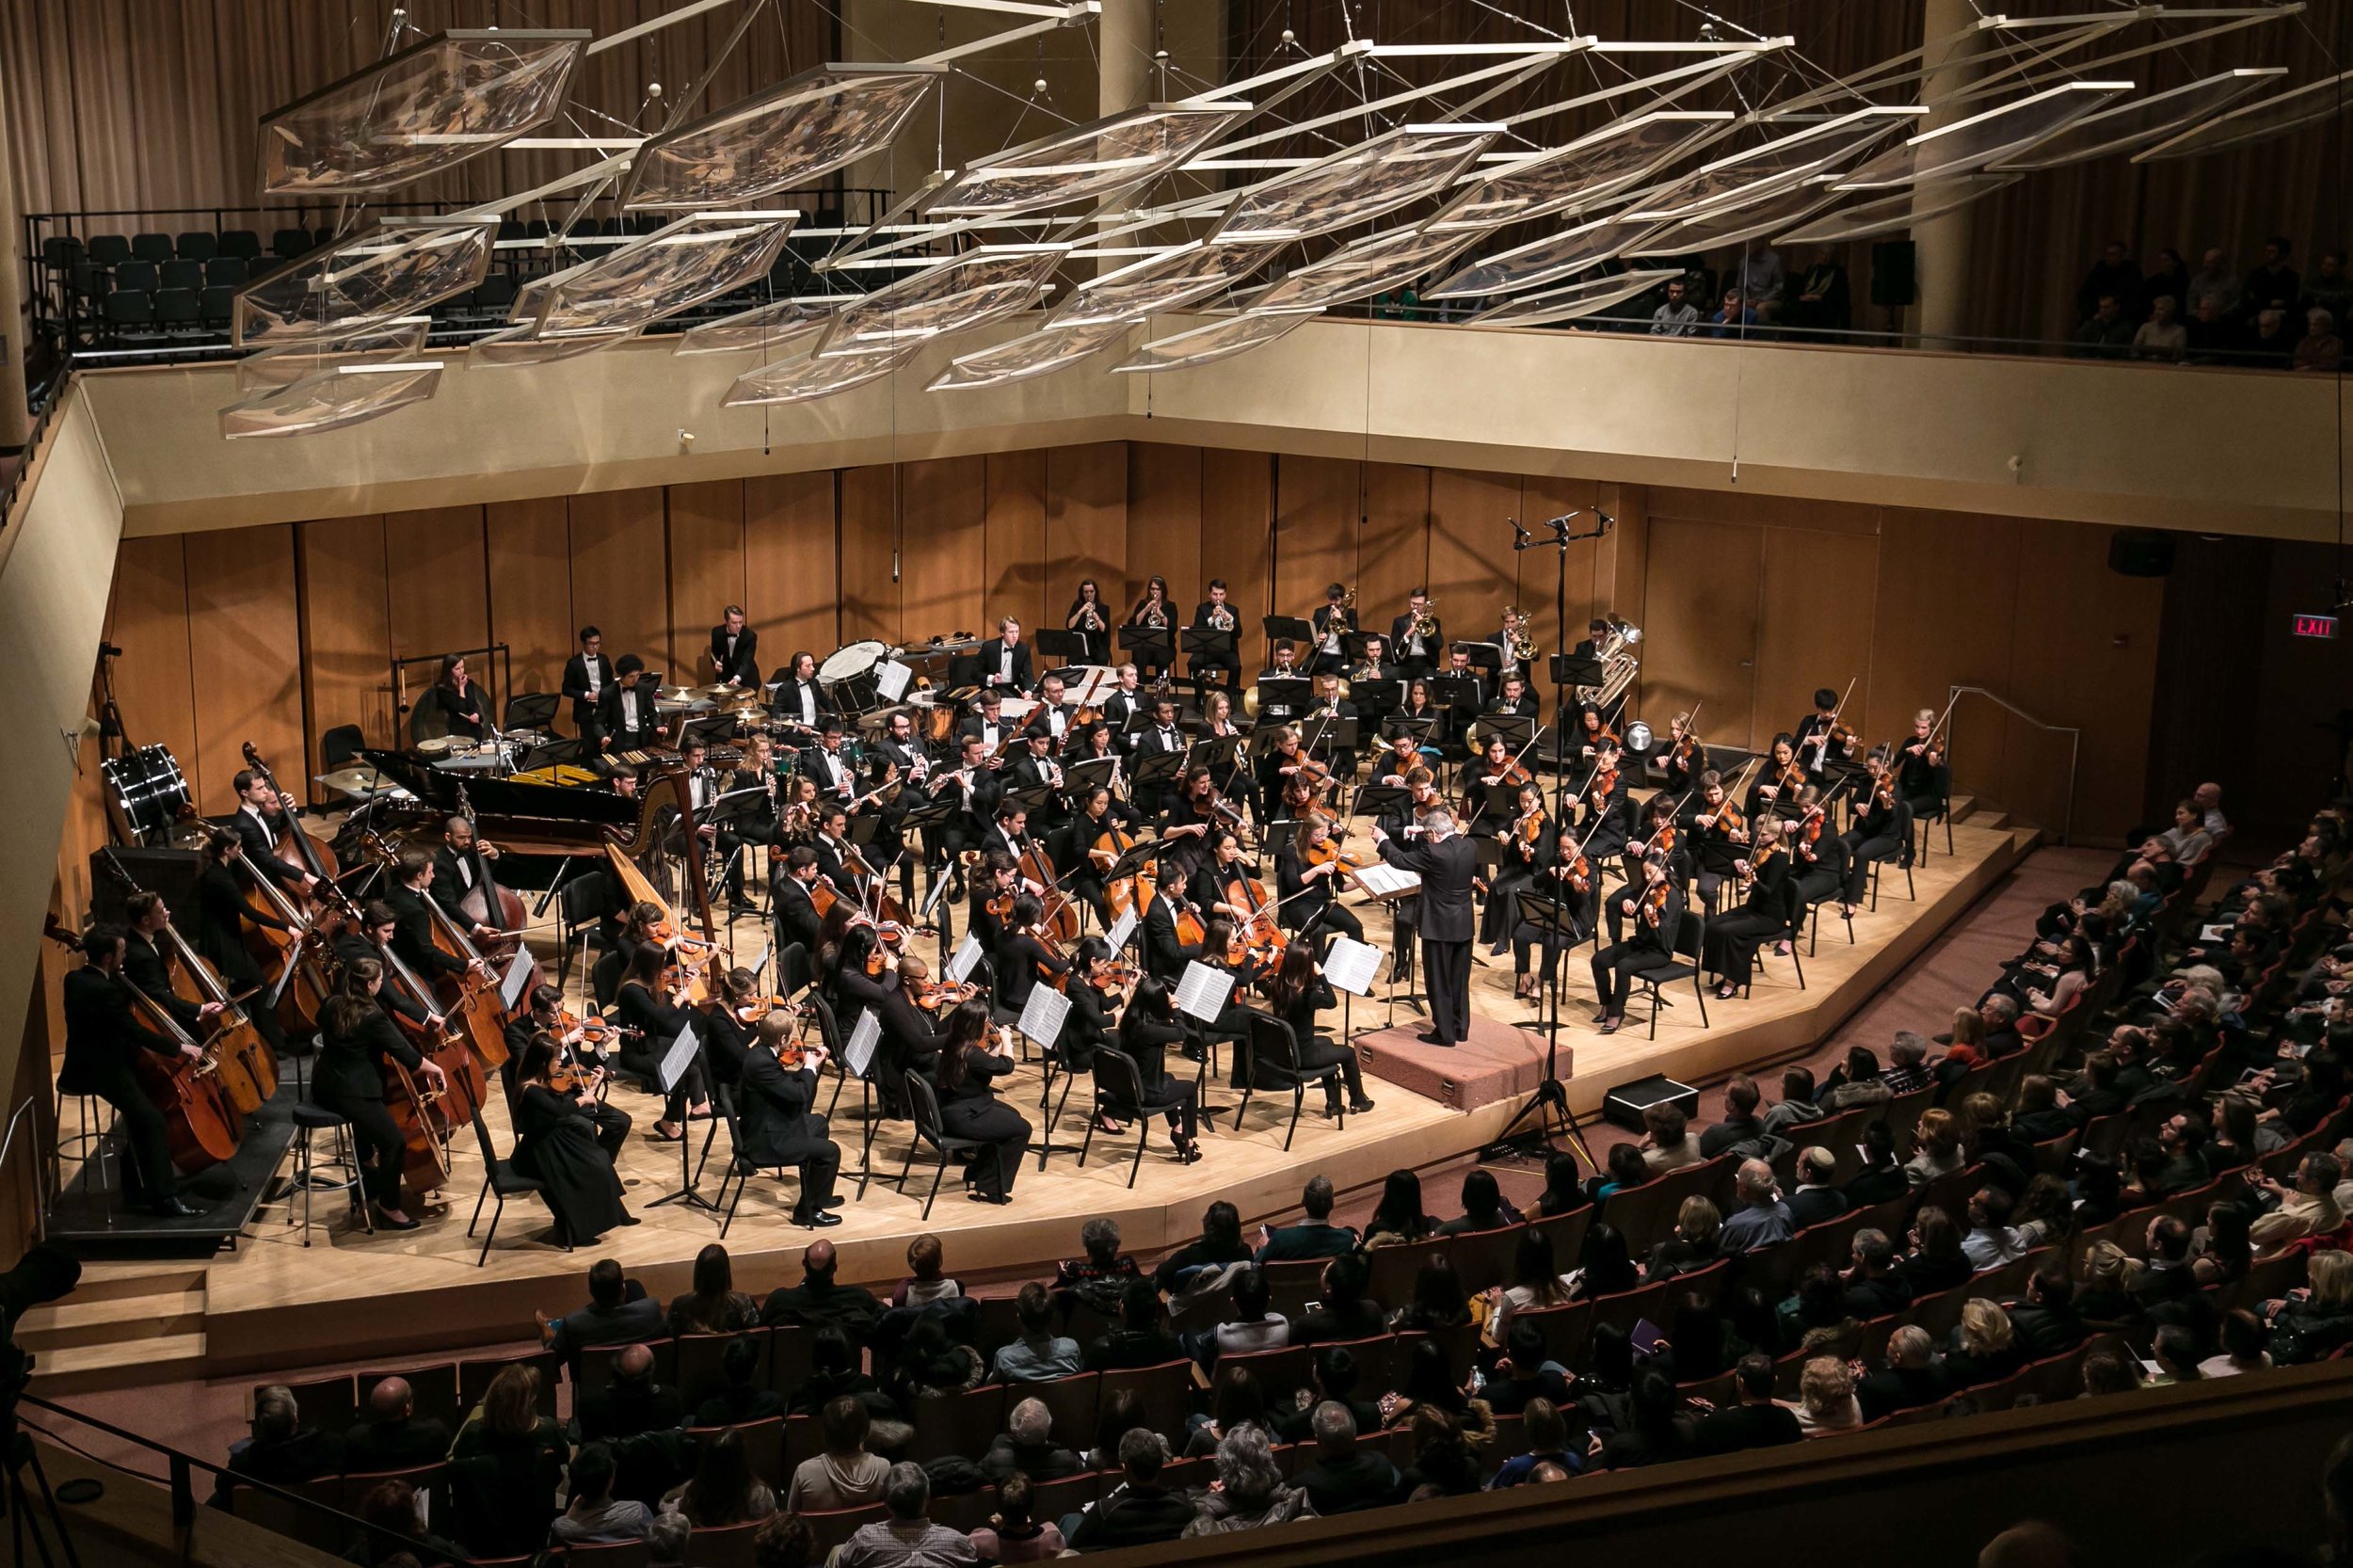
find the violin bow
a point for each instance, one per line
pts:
(1821, 738)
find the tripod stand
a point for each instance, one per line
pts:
(1546, 1115)
(20, 1455)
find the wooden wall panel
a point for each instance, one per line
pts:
(620, 578)
(530, 558)
(1473, 568)
(870, 589)
(1086, 526)
(1815, 626)
(1022, 578)
(1316, 502)
(1535, 572)
(706, 571)
(245, 656)
(149, 622)
(792, 577)
(1164, 522)
(345, 660)
(1941, 577)
(1237, 543)
(439, 582)
(1392, 544)
(943, 549)
(1700, 630)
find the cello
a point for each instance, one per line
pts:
(246, 1065)
(411, 1107)
(202, 1127)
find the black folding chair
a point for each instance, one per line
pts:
(1792, 917)
(1691, 940)
(924, 1103)
(1119, 1090)
(1274, 1056)
(1899, 856)
(501, 1178)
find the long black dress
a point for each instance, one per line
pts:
(971, 1109)
(557, 1147)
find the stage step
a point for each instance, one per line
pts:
(112, 1320)
(107, 1281)
(126, 1324)
(167, 1358)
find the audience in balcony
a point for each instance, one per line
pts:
(1818, 300)
(1250, 1492)
(1677, 317)
(1733, 319)
(618, 1313)
(2162, 336)
(392, 1436)
(1028, 1445)
(2320, 348)
(2106, 331)
(1140, 1337)
(2115, 276)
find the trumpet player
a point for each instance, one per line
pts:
(1222, 667)
(1417, 635)
(1332, 623)
(1092, 620)
(1519, 648)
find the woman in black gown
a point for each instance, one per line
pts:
(648, 1004)
(776, 1104)
(356, 1036)
(458, 698)
(968, 1107)
(556, 1145)
(1297, 994)
(1147, 1030)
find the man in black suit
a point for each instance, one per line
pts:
(587, 675)
(2044, 1322)
(1345, 1477)
(800, 700)
(460, 865)
(1415, 652)
(632, 1402)
(1332, 621)
(2000, 1012)
(627, 721)
(144, 965)
(1445, 862)
(735, 651)
(1138, 1511)
(1756, 1422)
(1515, 700)
(1222, 667)
(392, 1436)
(102, 1033)
(1315, 1237)
(1596, 638)
(1912, 1377)
(618, 1313)
(1816, 1199)
(1124, 702)
(819, 1301)
(412, 918)
(1874, 1288)
(1005, 662)
(1649, 941)
(837, 781)
(261, 821)
(795, 916)
(1164, 956)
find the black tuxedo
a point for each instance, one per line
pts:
(1328, 619)
(412, 935)
(1164, 956)
(1401, 644)
(801, 702)
(628, 731)
(797, 917)
(586, 708)
(450, 883)
(837, 781)
(740, 663)
(994, 668)
(781, 1128)
(103, 1037)
(1447, 919)
(145, 967)
(1205, 665)
(260, 841)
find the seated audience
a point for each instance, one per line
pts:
(1039, 1355)
(845, 1474)
(907, 1539)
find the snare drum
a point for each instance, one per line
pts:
(146, 794)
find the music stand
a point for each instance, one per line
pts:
(1215, 752)
(1332, 732)
(1376, 799)
(1296, 630)
(711, 730)
(1080, 777)
(1570, 671)
(1283, 693)
(1159, 767)
(1455, 692)
(1069, 647)
(1034, 799)
(1148, 647)
(1208, 643)
(684, 1052)
(1517, 729)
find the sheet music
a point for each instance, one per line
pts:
(1202, 993)
(892, 677)
(940, 890)
(516, 981)
(1351, 965)
(680, 1057)
(1122, 929)
(966, 955)
(859, 1053)
(1042, 1016)
(760, 964)
(1387, 881)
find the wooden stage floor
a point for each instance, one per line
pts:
(274, 1302)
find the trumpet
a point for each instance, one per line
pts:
(1425, 624)
(1222, 618)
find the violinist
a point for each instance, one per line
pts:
(1221, 949)
(1657, 833)
(1733, 939)
(1821, 739)
(1288, 760)
(911, 1037)
(1399, 763)
(103, 1035)
(1094, 999)
(758, 824)
(1308, 866)
(1166, 947)
(1527, 838)
(1565, 874)
(994, 889)
(856, 975)
(652, 1002)
(412, 919)
(460, 865)
(1873, 830)
(1588, 737)
(1652, 915)
(1607, 812)
(1186, 827)
(1333, 620)
(1817, 856)
(970, 1109)
(1686, 755)
(1717, 833)
(1091, 618)
(1779, 780)
(640, 927)
(1493, 788)
(1147, 1030)
(1297, 994)
(1923, 780)
(1023, 957)
(1516, 700)
(559, 1144)
(737, 1002)
(792, 898)
(355, 1039)
(780, 1122)
(578, 1060)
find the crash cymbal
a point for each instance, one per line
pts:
(355, 781)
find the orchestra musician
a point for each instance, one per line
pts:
(1374, 677)
(460, 865)
(628, 721)
(1596, 638)
(1923, 778)
(1873, 830)
(1733, 939)
(1652, 915)
(1083, 845)
(1817, 856)
(993, 892)
(1431, 725)
(356, 1037)
(1469, 691)
(756, 824)
(1820, 739)
(1153, 613)
(1308, 866)
(1165, 951)
(146, 965)
(1418, 635)
(800, 703)
(1023, 957)
(1283, 664)
(558, 1144)
(1400, 763)
(831, 844)
(1223, 667)
(456, 698)
(1091, 620)
(1333, 620)
(620, 778)
(1525, 835)
(1005, 663)
(412, 919)
(372, 939)
(262, 821)
(987, 721)
(103, 1036)
(972, 784)
(542, 1015)
(1054, 710)
(1008, 836)
(1685, 756)
(1445, 862)
(1717, 833)
(735, 651)
(1034, 767)
(911, 1038)
(587, 675)
(1516, 700)
(1779, 779)
(1514, 634)
(1656, 833)
(1146, 1030)
(1297, 994)
(1232, 774)
(1563, 876)
(781, 1124)
(1124, 702)
(970, 1109)
(824, 762)
(736, 1003)
(652, 1001)
(1491, 789)
(1163, 738)
(793, 907)
(1588, 735)
(1186, 825)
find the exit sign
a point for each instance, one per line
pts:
(2315, 626)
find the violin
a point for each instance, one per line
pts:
(1726, 819)
(1330, 853)
(1115, 977)
(1529, 829)
(1654, 906)
(932, 995)
(593, 1029)
(1884, 793)
(1605, 783)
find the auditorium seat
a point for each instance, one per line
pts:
(242, 244)
(152, 247)
(196, 245)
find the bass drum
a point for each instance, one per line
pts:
(146, 794)
(848, 676)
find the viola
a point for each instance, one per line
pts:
(1330, 853)
(1258, 935)
(1605, 783)
(1654, 905)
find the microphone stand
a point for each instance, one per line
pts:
(1546, 1115)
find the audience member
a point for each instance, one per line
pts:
(1250, 1493)
(392, 1436)
(1011, 1535)
(1666, 1145)
(1816, 1200)
(740, 1398)
(1314, 1237)
(925, 1282)
(593, 1516)
(1138, 1511)
(908, 1539)
(820, 1301)
(1762, 1217)
(618, 1313)
(723, 1490)
(1038, 1354)
(1028, 1445)
(844, 1474)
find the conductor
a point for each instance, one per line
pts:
(1445, 864)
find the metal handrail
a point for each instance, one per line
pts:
(8, 1142)
(2075, 740)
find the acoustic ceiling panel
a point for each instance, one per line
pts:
(681, 265)
(1586, 173)
(953, 296)
(395, 267)
(2259, 121)
(1366, 268)
(1041, 353)
(801, 129)
(1356, 184)
(1097, 162)
(1993, 137)
(1589, 297)
(1219, 340)
(331, 400)
(1177, 278)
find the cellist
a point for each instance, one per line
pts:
(102, 1037)
(356, 1036)
(413, 921)
(1166, 951)
(460, 866)
(1023, 958)
(260, 824)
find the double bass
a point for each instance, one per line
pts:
(296, 847)
(289, 955)
(489, 904)
(247, 1066)
(202, 1127)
